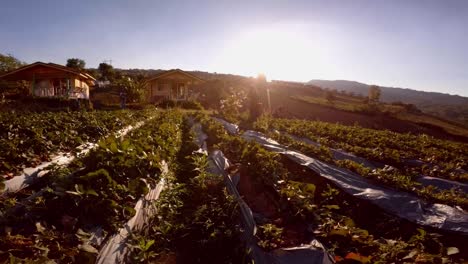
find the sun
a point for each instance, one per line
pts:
(276, 52)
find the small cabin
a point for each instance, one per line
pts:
(174, 85)
(53, 80)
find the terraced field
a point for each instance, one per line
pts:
(180, 187)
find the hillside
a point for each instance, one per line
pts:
(448, 106)
(292, 100)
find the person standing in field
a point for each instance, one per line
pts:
(123, 98)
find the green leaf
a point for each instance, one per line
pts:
(363, 232)
(113, 147)
(130, 211)
(339, 232)
(411, 254)
(91, 192)
(40, 228)
(349, 222)
(334, 206)
(147, 245)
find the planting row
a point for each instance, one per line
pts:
(97, 192)
(389, 176)
(196, 220)
(418, 154)
(292, 205)
(28, 139)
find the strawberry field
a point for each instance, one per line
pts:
(178, 187)
(434, 169)
(27, 139)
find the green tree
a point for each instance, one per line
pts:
(135, 87)
(8, 63)
(330, 96)
(107, 72)
(212, 92)
(76, 63)
(374, 93)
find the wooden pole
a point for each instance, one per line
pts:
(33, 84)
(269, 100)
(68, 88)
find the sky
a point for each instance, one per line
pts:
(417, 44)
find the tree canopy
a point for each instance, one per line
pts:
(8, 63)
(107, 71)
(374, 93)
(76, 63)
(133, 86)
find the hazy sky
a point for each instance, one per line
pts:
(421, 44)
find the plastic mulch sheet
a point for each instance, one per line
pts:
(402, 204)
(313, 253)
(115, 249)
(30, 175)
(339, 154)
(231, 128)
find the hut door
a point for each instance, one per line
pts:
(180, 91)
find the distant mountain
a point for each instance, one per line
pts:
(454, 107)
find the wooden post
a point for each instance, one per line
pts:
(68, 88)
(269, 101)
(59, 89)
(33, 84)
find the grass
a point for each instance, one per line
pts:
(351, 104)
(451, 127)
(357, 105)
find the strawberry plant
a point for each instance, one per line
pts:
(101, 193)
(27, 139)
(434, 157)
(327, 213)
(197, 221)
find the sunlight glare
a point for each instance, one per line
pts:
(280, 53)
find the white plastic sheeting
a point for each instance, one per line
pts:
(313, 253)
(115, 249)
(338, 154)
(30, 175)
(442, 184)
(200, 138)
(304, 254)
(401, 204)
(231, 128)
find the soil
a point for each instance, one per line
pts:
(265, 202)
(259, 200)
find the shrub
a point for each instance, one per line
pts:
(195, 105)
(46, 104)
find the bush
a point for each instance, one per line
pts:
(195, 105)
(36, 104)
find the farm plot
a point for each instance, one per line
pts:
(259, 206)
(420, 154)
(29, 139)
(369, 161)
(348, 227)
(196, 220)
(72, 211)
